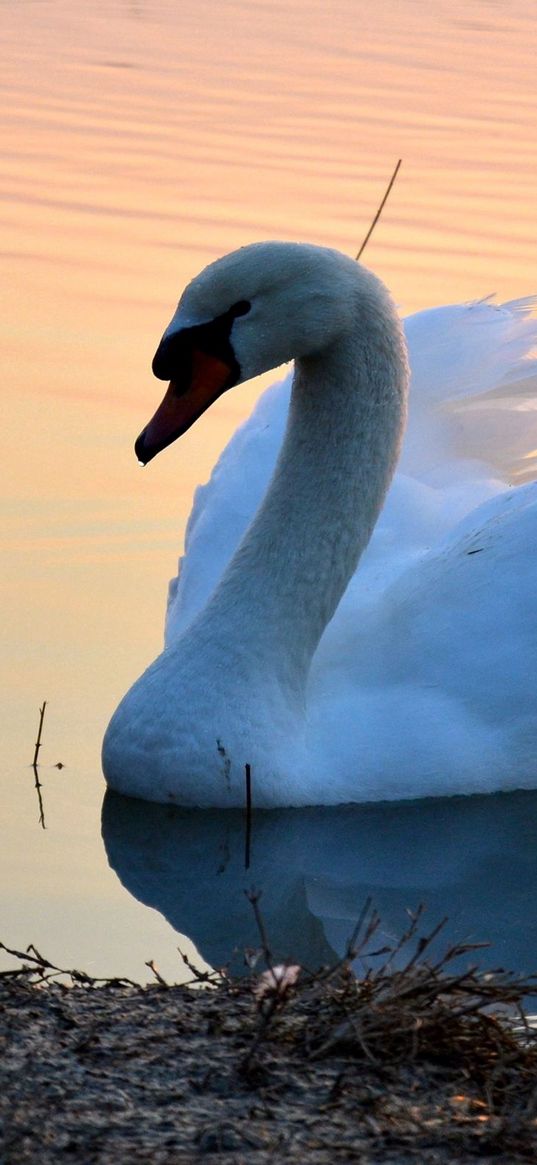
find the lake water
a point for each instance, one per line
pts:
(141, 140)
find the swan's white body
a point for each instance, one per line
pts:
(424, 681)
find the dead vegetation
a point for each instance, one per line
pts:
(411, 1061)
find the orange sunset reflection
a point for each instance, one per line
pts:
(143, 140)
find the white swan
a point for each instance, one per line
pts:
(424, 682)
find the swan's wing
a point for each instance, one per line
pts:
(434, 685)
(474, 391)
(471, 405)
(469, 349)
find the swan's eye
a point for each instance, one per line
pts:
(241, 308)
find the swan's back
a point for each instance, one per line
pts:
(441, 667)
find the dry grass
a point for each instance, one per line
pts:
(411, 1062)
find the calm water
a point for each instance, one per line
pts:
(142, 139)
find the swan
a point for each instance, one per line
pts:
(424, 682)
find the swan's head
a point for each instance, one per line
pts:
(249, 312)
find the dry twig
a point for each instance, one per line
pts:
(379, 211)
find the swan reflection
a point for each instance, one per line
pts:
(473, 859)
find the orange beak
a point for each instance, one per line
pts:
(181, 407)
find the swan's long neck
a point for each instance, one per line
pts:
(341, 445)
